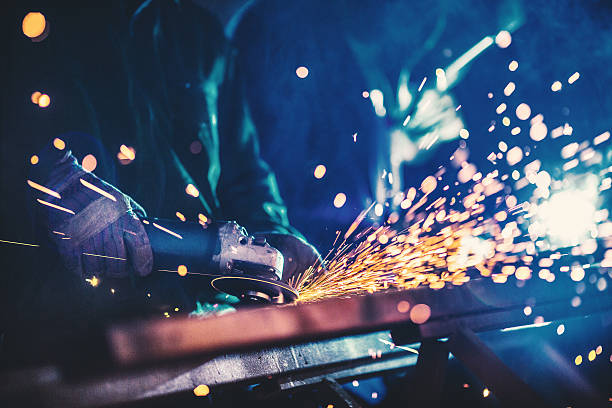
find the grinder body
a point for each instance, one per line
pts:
(241, 265)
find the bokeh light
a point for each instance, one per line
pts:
(556, 86)
(301, 72)
(538, 131)
(503, 39)
(513, 65)
(320, 171)
(339, 200)
(33, 24)
(59, 144)
(44, 100)
(192, 190)
(509, 89)
(34, 159)
(523, 111)
(89, 163)
(420, 313)
(201, 390)
(182, 270)
(35, 96)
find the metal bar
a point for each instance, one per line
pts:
(509, 389)
(430, 374)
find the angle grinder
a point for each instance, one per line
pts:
(239, 264)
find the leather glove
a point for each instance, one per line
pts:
(299, 255)
(98, 233)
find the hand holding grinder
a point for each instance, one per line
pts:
(99, 231)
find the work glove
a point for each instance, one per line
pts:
(93, 225)
(297, 253)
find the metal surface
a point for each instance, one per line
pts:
(479, 305)
(289, 367)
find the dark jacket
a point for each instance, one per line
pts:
(158, 76)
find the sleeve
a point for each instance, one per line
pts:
(247, 190)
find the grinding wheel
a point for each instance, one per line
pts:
(255, 290)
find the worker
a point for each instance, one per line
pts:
(155, 83)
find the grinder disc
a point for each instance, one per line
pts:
(255, 290)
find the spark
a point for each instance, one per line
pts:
(393, 345)
(93, 281)
(422, 84)
(105, 256)
(97, 190)
(55, 206)
(167, 231)
(19, 243)
(573, 78)
(43, 189)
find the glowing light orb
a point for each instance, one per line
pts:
(578, 360)
(503, 39)
(320, 171)
(577, 274)
(568, 216)
(556, 86)
(339, 200)
(527, 310)
(486, 392)
(560, 329)
(365, 94)
(89, 163)
(509, 89)
(506, 121)
(592, 355)
(33, 24)
(202, 218)
(44, 100)
(34, 159)
(201, 390)
(523, 111)
(501, 108)
(538, 131)
(180, 216)
(59, 144)
(182, 270)
(515, 131)
(35, 96)
(420, 313)
(403, 306)
(464, 134)
(301, 72)
(514, 155)
(513, 65)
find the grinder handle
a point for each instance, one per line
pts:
(177, 243)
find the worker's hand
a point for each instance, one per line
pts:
(95, 227)
(298, 254)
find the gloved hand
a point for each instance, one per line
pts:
(299, 255)
(100, 234)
